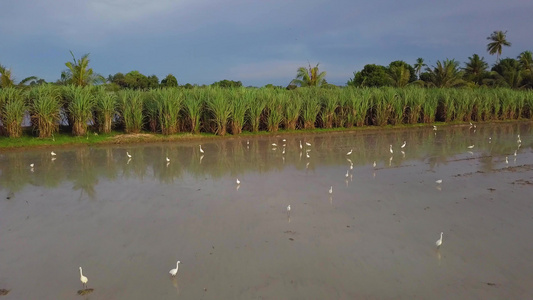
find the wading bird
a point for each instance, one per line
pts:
(434, 127)
(439, 241)
(168, 159)
(470, 147)
(237, 181)
(289, 209)
(374, 164)
(390, 149)
(201, 150)
(308, 144)
(83, 279)
(128, 154)
(349, 152)
(53, 153)
(404, 143)
(331, 189)
(438, 181)
(173, 272)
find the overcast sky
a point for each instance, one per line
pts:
(254, 41)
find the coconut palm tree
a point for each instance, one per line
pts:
(475, 69)
(419, 65)
(79, 73)
(525, 60)
(445, 74)
(498, 40)
(7, 80)
(309, 77)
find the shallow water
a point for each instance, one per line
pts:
(127, 221)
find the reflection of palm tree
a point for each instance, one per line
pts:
(498, 40)
(309, 77)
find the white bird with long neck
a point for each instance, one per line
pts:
(83, 279)
(52, 153)
(238, 181)
(439, 241)
(301, 145)
(349, 152)
(173, 272)
(128, 154)
(403, 145)
(201, 150)
(168, 159)
(308, 144)
(331, 189)
(390, 149)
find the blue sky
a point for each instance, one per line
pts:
(254, 41)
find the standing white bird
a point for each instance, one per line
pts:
(347, 173)
(237, 181)
(514, 155)
(31, 165)
(173, 272)
(374, 164)
(438, 181)
(506, 160)
(519, 141)
(301, 145)
(470, 147)
(128, 154)
(349, 152)
(168, 159)
(331, 189)
(307, 155)
(390, 149)
(201, 150)
(83, 279)
(274, 145)
(53, 153)
(439, 241)
(404, 143)
(308, 144)
(434, 127)
(289, 209)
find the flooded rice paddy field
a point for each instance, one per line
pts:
(127, 221)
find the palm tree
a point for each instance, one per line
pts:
(309, 77)
(526, 60)
(419, 65)
(508, 73)
(399, 75)
(79, 73)
(475, 69)
(7, 80)
(498, 40)
(445, 74)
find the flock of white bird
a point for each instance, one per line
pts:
(174, 272)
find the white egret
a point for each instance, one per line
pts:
(374, 164)
(128, 154)
(514, 154)
(390, 149)
(434, 127)
(173, 272)
(274, 145)
(506, 160)
(519, 141)
(470, 147)
(349, 152)
(201, 150)
(331, 189)
(247, 142)
(237, 181)
(301, 145)
(289, 209)
(284, 140)
(53, 153)
(31, 165)
(404, 143)
(438, 181)
(347, 173)
(168, 159)
(439, 241)
(308, 144)
(351, 167)
(83, 279)
(307, 155)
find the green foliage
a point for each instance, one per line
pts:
(292, 110)
(169, 103)
(258, 102)
(136, 81)
(445, 74)
(194, 103)
(419, 66)
(239, 111)
(227, 84)
(106, 107)
(79, 73)
(12, 109)
(497, 39)
(45, 106)
(220, 109)
(81, 104)
(131, 105)
(371, 76)
(169, 81)
(507, 73)
(310, 77)
(475, 69)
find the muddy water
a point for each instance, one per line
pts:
(127, 221)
